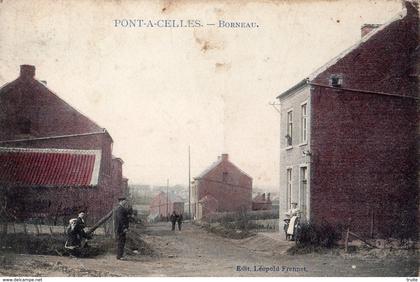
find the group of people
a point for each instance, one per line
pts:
(292, 219)
(174, 218)
(77, 236)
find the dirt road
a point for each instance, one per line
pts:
(195, 252)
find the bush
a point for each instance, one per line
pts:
(324, 235)
(237, 220)
(234, 216)
(228, 230)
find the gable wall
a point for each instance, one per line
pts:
(364, 146)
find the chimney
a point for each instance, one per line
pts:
(225, 157)
(366, 28)
(263, 197)
(27, 71)
(268, 197)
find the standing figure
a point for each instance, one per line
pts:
(122, 214)
(174, 219)
(293, 214)
(293, 211)
(180, 218)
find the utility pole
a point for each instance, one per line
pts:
(167, 197)
(189, 181)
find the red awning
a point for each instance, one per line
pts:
(49, 167)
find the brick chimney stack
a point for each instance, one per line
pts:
(263, 197)
(225, 157)
(366, 28)
(27, 71)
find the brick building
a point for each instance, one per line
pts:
(222, 187)
(54, 160)
(162, 205)
(349, 134)
(261, 202)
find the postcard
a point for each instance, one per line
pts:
(219, 138)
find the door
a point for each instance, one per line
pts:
(200, 211)
(303, 193)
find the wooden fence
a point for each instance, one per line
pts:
(37, 228)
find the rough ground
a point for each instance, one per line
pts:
(195, 252)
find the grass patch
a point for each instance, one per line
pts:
(45, 244)
(227, 230)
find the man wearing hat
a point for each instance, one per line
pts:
(122, 214)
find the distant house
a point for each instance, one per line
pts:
(349, 134)
(54, 161)
(262, 203)
(162, 205)
(222, 187)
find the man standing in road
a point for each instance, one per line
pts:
(174, 219)
(180, 218)
(122, 214)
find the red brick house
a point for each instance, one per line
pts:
(350, 151)
(162, 205)
(207, 205)
(262, 202)
(54, 160)
(222, 187)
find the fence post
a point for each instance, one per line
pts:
(346, 243)
(36, 228)
(113, 227)
(372, 222)
(4, 227)
(107, 228)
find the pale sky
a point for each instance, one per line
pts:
(158, 90)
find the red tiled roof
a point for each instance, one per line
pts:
(49, 167)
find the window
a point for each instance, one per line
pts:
(24, 126)
(336, 80)
(289, 188)
(225, 177)
(304, 123)
(289, 133)
(303, 190)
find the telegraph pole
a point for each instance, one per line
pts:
(167, 197)
(189, 181)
